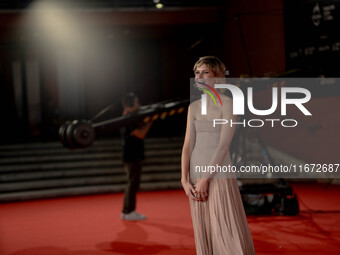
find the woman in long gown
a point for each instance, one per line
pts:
(219, 221)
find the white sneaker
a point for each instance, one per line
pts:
(132, 216)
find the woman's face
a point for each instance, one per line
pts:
(204, 74)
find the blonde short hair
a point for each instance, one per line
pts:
(214, 64)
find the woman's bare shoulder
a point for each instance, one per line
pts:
(196, 104)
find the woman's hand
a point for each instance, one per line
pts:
(189, 190)
(202, 188)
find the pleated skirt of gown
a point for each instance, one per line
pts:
(220, 224)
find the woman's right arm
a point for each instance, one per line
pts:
(185, 162)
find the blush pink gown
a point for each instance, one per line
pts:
(220, 224)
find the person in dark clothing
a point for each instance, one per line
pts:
(133, 155)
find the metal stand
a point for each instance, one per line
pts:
(241, 156)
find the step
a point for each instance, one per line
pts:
(93, 149)
(83, 164)
(73, 157)
(85, 181)
(40, 175)
(87, 190)
(98, 143)
(46, 170)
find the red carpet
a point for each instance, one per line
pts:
(91, 225)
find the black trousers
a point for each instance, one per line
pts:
(133, 171)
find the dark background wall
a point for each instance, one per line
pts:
(254, 38)
(150, 52)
